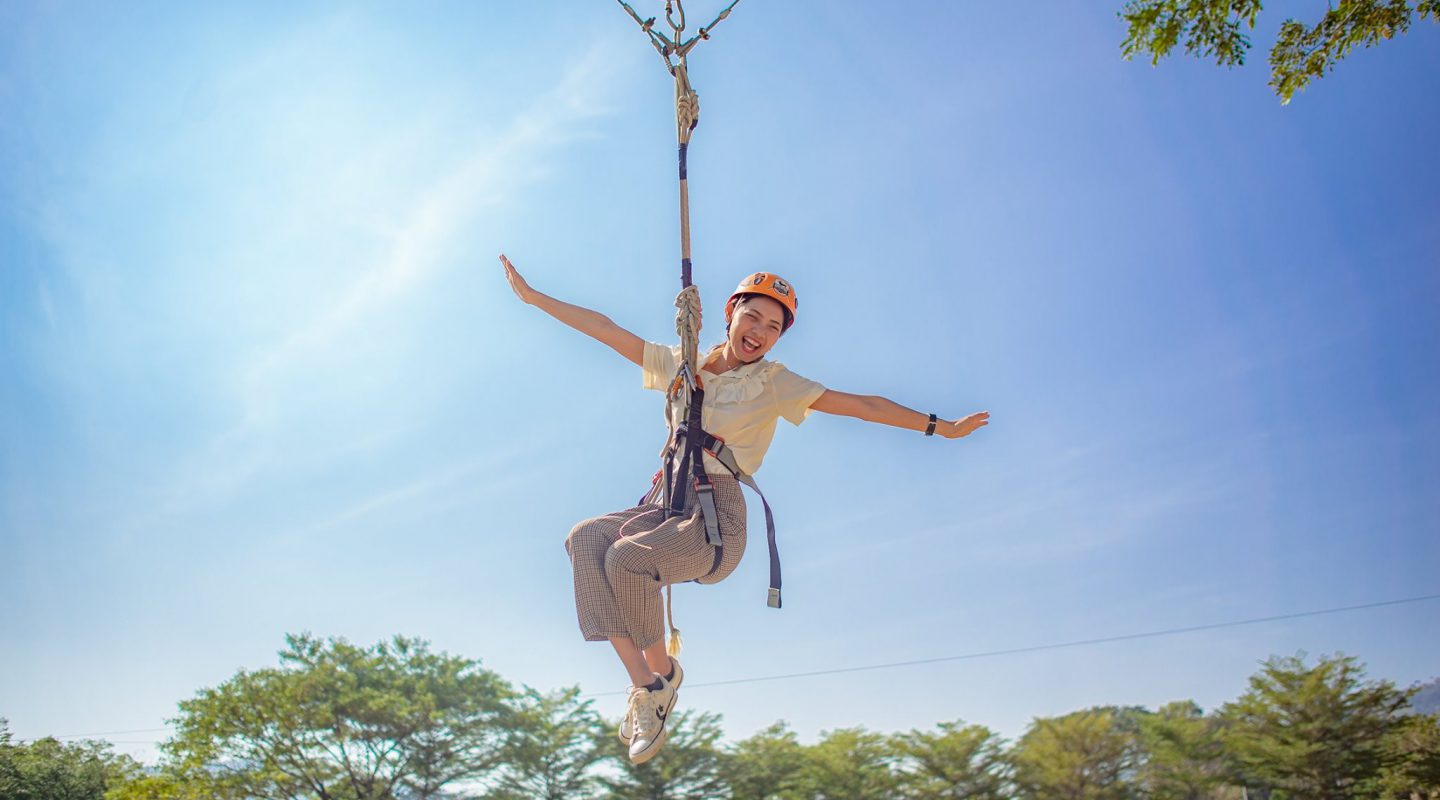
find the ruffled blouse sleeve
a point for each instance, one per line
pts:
(794, 394)
(660, 365)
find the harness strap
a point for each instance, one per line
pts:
(772, 598)
(668, 477)
(705, 496)
(722, 453)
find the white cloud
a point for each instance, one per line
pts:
(489, 176)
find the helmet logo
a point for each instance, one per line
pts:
(781, 287)
(759, 279)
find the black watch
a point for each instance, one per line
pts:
(930, 429)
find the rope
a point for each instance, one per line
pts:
(674, 49)
(687, 105)
(687, 325)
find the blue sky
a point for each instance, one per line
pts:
(261, 373)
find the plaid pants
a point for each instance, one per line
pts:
(622, 560)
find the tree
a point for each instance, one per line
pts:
(766, 766)
(958, 761)
(553, 745)
(1412, 760)
(849, 764)
(340, 722)
(1302, 53)
(1085, 755)
(1184, 758)
(46, 769)
(1314, 732)
(689, 767)
(164, 786)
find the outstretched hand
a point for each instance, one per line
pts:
(517, 284)
(963, 427)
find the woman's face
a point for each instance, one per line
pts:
(755, 326)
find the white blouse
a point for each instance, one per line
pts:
(741, 405)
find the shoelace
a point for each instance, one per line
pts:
(644, 706)
(630, 703)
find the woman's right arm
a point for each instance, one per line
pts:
(591, 323)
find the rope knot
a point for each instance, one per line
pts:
(687, 105)
(687, 325)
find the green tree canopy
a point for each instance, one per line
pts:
(1085, 755)
(1184, 758)
(954, 762)
(1412, 760)
(1217, 29)
(766, 766)
(554, 743)
(1314, 732)
(47, 769)
(849, 764)
(689, 767)
(337, 721)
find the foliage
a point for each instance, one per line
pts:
(552, 747)
(1314, 732)
(1211, 28)
(1184, 758)
(1086, 755)
(957, 761)
(766, 766)
(339, 721)
(164, 786)
(49, 770)
(1302, 53)
(396, 722)
(689, 766)
(1412, 756)
(849, 764)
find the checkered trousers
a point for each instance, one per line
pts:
(622, 560)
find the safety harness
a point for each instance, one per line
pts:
(683, 466)
(683, 469)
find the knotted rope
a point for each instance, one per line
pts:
(674, 49)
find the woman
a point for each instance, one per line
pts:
(622, 560)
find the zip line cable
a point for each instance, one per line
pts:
(1055, 645)
(970, 656)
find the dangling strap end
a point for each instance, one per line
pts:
(774, 598)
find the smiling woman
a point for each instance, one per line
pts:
(691, 524)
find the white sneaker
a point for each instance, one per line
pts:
(650, 710)
(627, 724)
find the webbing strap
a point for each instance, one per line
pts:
(772, 598)
(705, 496)
(692, 461)
(723, 454)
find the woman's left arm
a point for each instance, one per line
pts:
(872, 408)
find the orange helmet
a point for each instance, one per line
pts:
(768, 285)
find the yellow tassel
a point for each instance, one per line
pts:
(672, 647)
